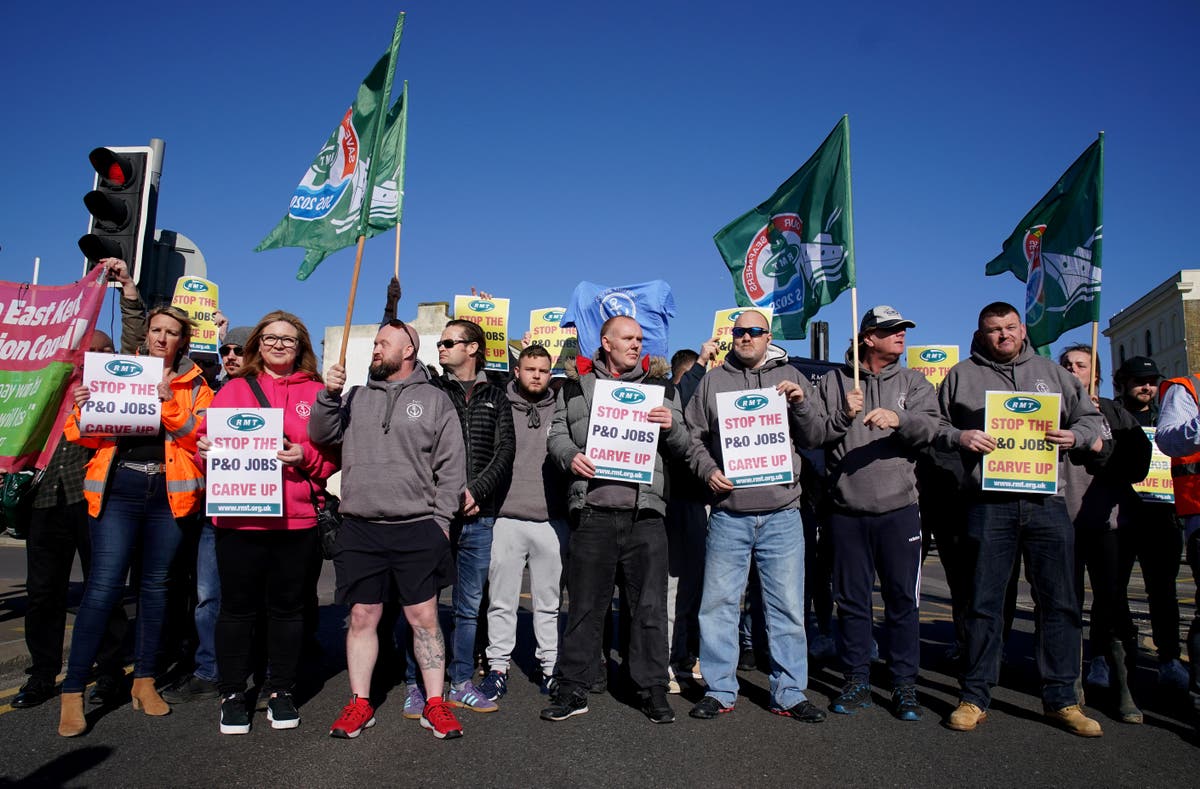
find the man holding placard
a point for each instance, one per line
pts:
(1002, 523)
(875, 523)
(609, 433)
(745, 420)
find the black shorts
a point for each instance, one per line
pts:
(407, 563)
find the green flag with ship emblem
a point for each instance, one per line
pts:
(331, 206)
(1055, 250)
(795, 252)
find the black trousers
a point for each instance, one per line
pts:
(56, 534)
(602, 542)
(262, 569)
(1097, 551)
(1151, 536)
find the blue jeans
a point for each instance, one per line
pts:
(135, 513)
(474, 556)
(999, 527)
(208, 603)
(776, 542)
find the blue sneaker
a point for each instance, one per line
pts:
(494, 685)
(469, 697)
(549, 684)
(414, 702)
(1172, 674)
(855, 696)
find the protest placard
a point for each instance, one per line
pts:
(492, 317)
(932, 361)
(44, 331)
(124, 399)
(559, 341)
(621, 441)
(198, 298)
(1158, 484)
(755, 442)
(723, 330)
(244, 475)
(1023, 459)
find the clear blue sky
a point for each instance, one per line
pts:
(551, 142)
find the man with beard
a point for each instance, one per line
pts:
(403, 470)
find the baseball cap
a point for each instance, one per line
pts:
(884, 317)
(1138, 367)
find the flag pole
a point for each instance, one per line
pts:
(397, 267)
(350, 303)
(854, 328)
(1095, 341)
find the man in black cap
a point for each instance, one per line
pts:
(1148, 532)
(878, 420)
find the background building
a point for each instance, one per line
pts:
(1164, 325)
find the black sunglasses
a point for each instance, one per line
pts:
(753, 331)
(236, 349)
(396, 323)
(449, 344)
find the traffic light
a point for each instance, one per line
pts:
(122, 206)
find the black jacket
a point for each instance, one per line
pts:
(487, 426)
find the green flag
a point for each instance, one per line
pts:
(795, 252)
(1055, 251)
(387, 174)
(330, 207)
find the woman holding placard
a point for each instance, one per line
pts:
(270, 562)
(136, 487)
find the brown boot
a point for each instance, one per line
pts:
(71, 722)
(1073, 720)
(145, 697)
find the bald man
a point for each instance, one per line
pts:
(616, 525)
(751, 519)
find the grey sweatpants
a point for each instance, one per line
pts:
(543, 545)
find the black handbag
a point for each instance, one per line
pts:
(329, 519)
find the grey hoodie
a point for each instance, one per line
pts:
(534, 492)
(806, 420)
(403, 457)
(962, 399)
(568, 437)
(874, 470)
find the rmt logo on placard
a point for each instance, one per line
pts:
(628, 396)
(123, 368)
(479, 305)
(1022, 405)
(552, 316)
(933, 355)
(246, 422)
(194, 285)
(751, 402)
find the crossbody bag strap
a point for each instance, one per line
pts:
(260, 395)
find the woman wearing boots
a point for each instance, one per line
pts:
(1094, 480)
(136, 488)
(271, 563)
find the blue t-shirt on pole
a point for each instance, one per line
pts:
(649, 303)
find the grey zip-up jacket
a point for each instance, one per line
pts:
(962, 399)
(873, 470)
(403, 457)
(534, 490)
(805, 422)
(569, 433)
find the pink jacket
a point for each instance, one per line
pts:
(295, 394)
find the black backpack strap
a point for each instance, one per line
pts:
(252, 382)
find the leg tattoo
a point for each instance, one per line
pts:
(429, 648)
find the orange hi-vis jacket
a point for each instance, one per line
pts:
(181, 416)
(1185, 471)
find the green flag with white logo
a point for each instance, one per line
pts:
(330, 207)
(1055, 251)
(795, 252)
(387, 175)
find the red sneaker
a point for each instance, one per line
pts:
(356, 716)
(440, 720)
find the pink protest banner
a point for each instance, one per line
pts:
(44, 332)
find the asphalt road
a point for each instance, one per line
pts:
(613, 744)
